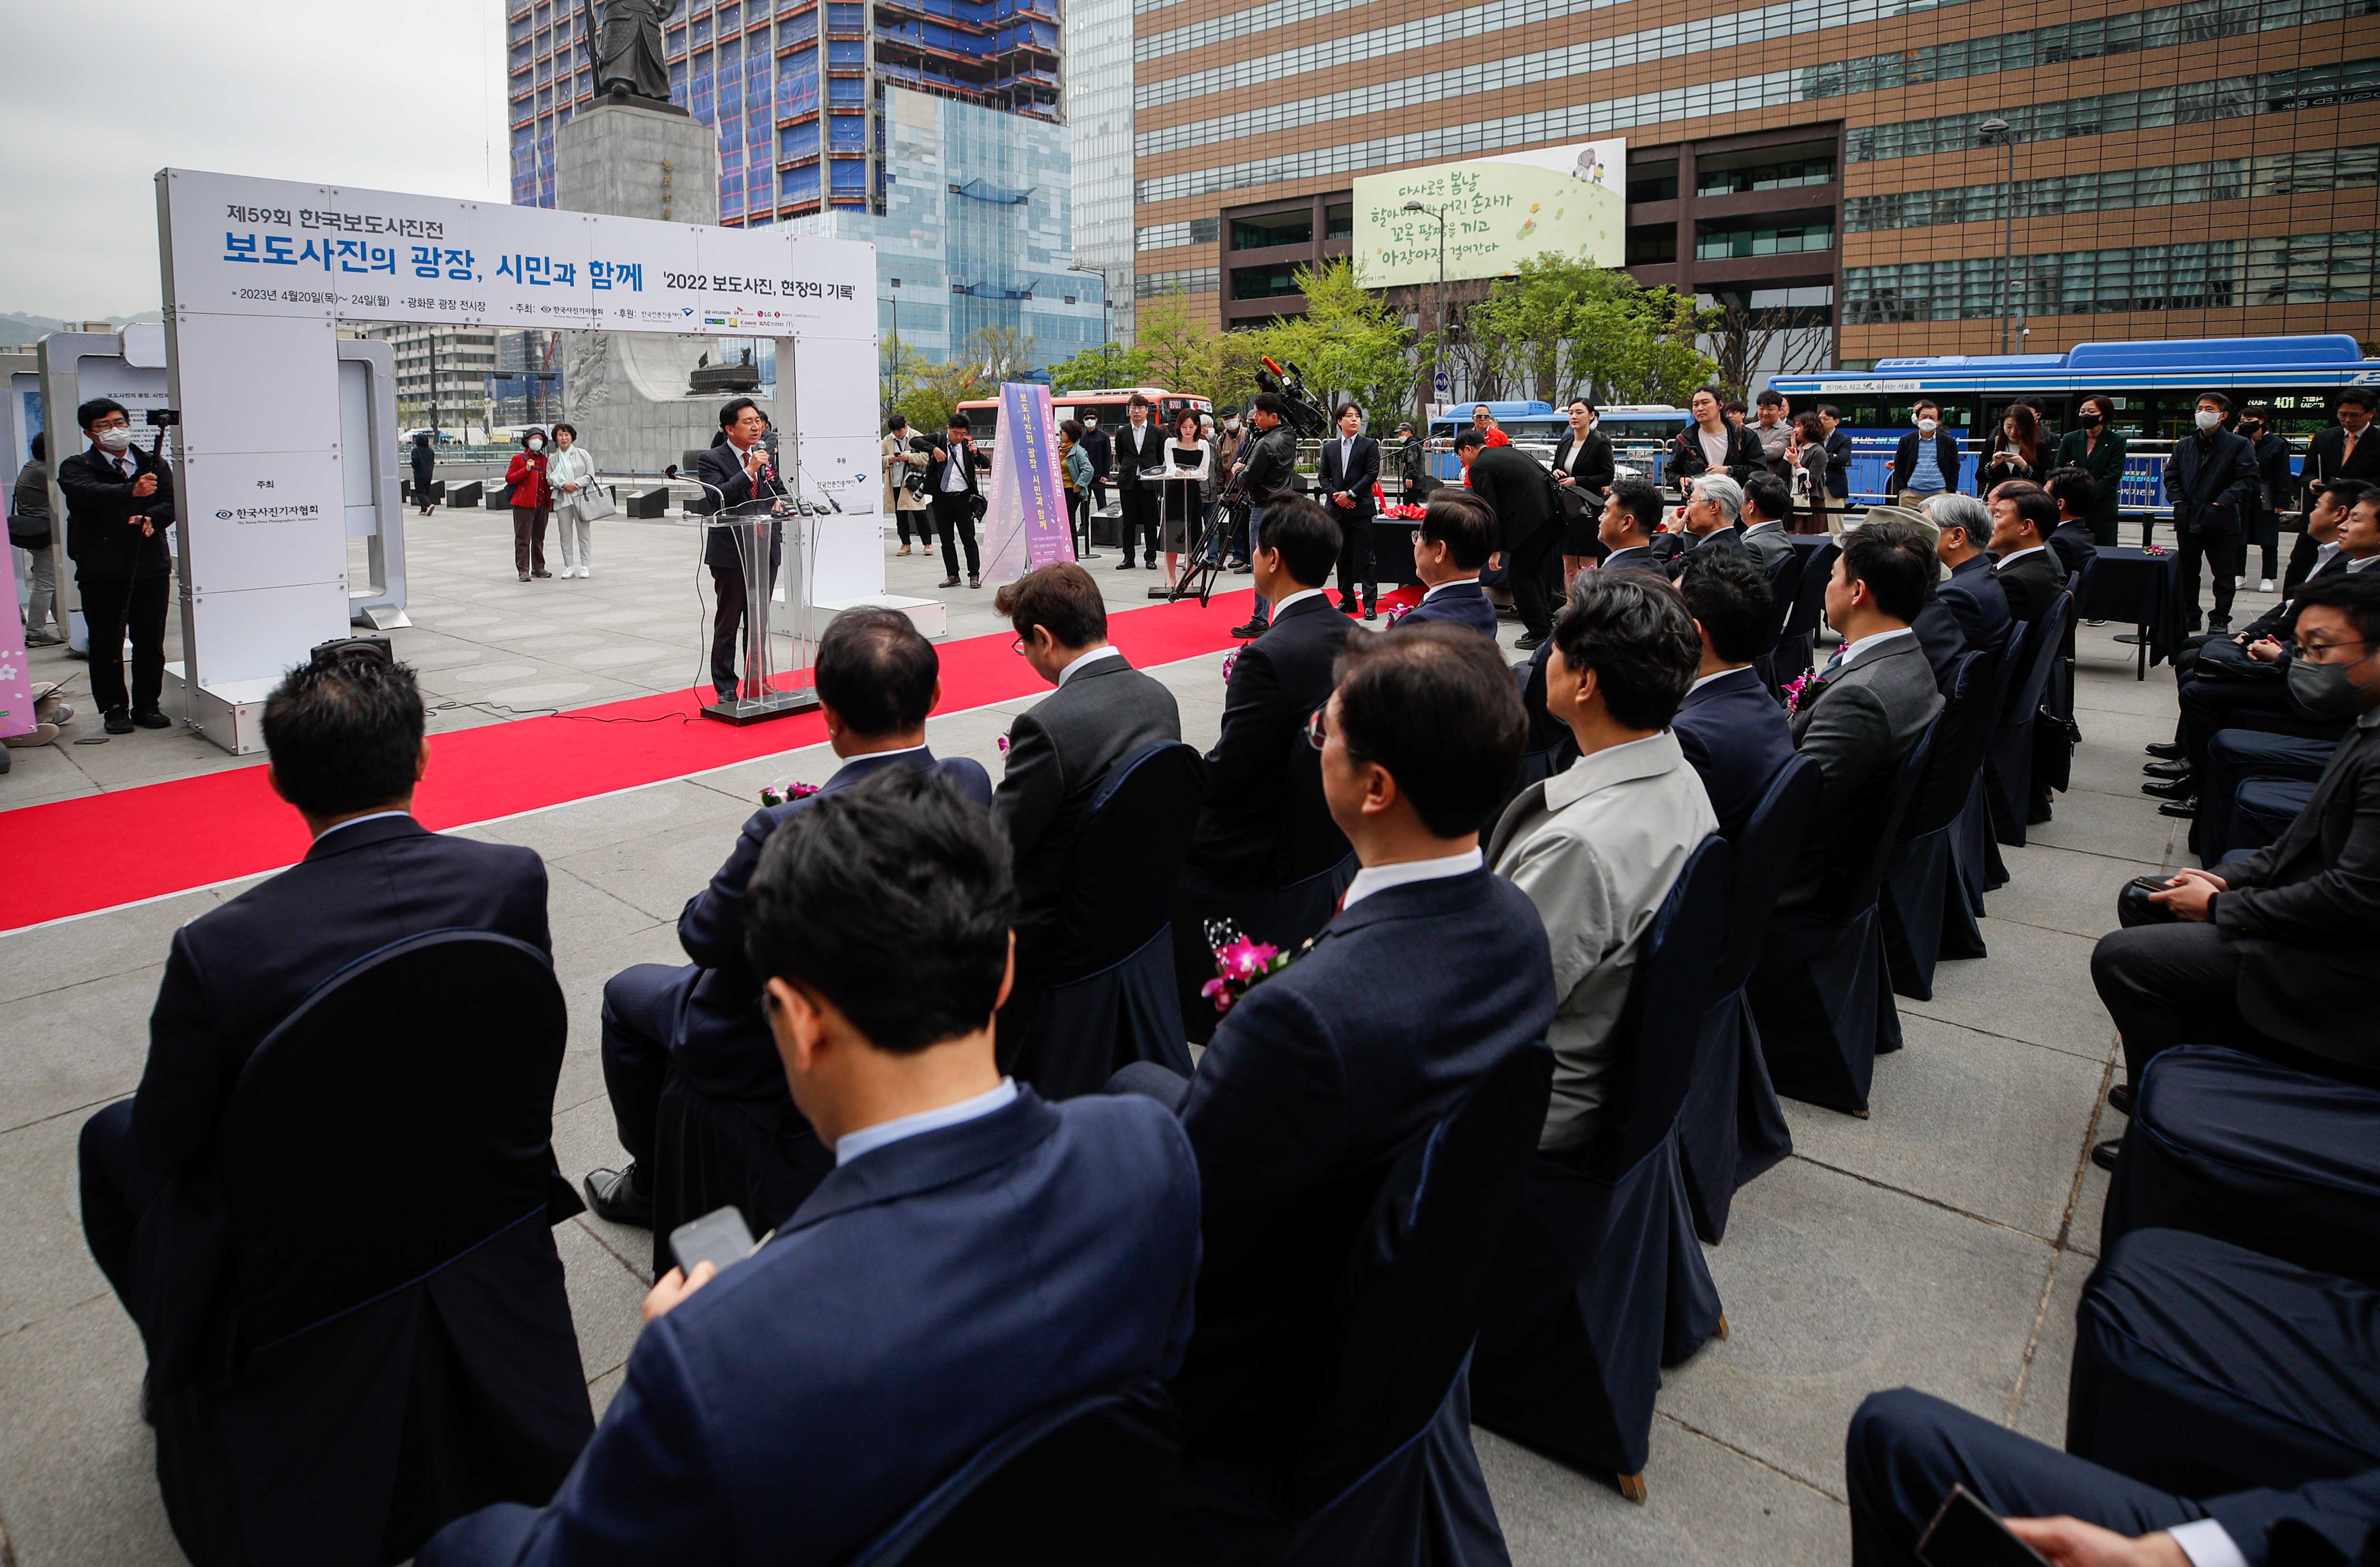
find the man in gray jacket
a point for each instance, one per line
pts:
(1864, 711)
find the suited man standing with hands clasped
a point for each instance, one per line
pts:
(1351, 467)
(119, 503)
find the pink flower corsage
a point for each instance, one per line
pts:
(1239, 964)
(1229, 659)
(1003, 746)
(1793, 689)
(1396, 612)
(786, 793)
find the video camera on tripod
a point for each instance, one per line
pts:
(1307, 416)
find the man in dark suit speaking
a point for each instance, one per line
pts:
(743, 474)
(878, 678)
(345, 733)
(1061, 750)
(1730, 726)
(976, 1255)
(1351, 467)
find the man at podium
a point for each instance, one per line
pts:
(743, 474)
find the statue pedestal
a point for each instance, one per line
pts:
(627, 392)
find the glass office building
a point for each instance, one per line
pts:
(1099, 111)
(969, 200)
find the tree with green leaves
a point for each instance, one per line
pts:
(1349, 344)
(1176, 350)
(1560, 327)
(1110, 364)
(938, 391)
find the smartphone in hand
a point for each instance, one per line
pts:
(1967, 1534)
(720, 1237)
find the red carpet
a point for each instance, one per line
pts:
(78, 856)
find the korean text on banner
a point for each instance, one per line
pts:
(1027, 521)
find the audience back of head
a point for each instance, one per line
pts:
(1060, 596)
(1632, 630)
(1727, 593)
(1766, 494)
(1893, 560)
(877, 670)
(344, 731)
(1461, 521)
(1305, 536)
(1433, 705)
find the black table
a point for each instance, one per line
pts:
(2136, 586)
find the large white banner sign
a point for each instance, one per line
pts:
(246, 246)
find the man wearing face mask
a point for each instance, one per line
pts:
(1926, 463)
(2277, 953)
(2208, 477)
(119, 503)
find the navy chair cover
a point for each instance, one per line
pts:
(1820, 991)
(1732, 1129)
(1358, 1449)
(1115, 1000)
(2011, 780)
(2262, 810)
(2240, 1148)
(1798, 644)
(2202, 1368)
(1600, 1283)
(1084, 1482)
(2233, 756)
(1784, 592)
(1922, 902)
(760, 1156)
(391, 1373)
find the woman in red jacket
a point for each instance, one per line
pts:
(532, 505)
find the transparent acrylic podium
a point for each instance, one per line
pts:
(762, 691)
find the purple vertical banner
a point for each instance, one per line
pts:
(1027, 524)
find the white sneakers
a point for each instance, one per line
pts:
(2265, 585)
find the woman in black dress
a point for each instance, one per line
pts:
(1583, 473)
(1185, 494)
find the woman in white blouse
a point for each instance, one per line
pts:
(572, 473)
(1187, 458)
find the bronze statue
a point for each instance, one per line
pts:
(630, 58)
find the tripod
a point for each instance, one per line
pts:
(1204, 562)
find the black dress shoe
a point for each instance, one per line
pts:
(152, 719)
(2166, 769)
(2104, 1154)
(2171, 789)
(1252, 629)
(1349, 607)
(2186, 810)
(2219, 627)
(1531, 641)
(1371, 611)
(2166, 750)
(118, 722)
(615, 1195)
(2120, 1099)
(1127, 564)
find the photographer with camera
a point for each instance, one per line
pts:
(119, 503)
(904, 483)
(1267, 473)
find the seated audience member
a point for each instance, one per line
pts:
(1265, 816)
(1710, 513)
(2279, 953)
(1968, 609)
(1431, 972)
(1862, 714)
(975, 1255)
(1905, 1450)
(345, 736)
(1060, 750)
(1632, 515)
(2324, 524)
(2076, 495)
(1728, 726)
(1456, 535)
(2029, 570)
(1768, 509)
(1596, 847)
(877, 678)
(2232, 686)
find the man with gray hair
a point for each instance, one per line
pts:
(1713, 504)
(1969, 610)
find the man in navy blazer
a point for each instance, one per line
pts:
(1431, 973)
(976, 1255)
(1456, 536)
(877, 678)
(1728, 724)
(344, 734)
(1968, 609)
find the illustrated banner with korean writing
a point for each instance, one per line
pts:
(1562, 201)
(1027, 524)
(273, 247)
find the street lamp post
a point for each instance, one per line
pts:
(1438, 338)
(893, 373)
(2000, 129)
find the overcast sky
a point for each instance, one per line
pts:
(382, 95)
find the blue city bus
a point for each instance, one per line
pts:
(2154, 385)
(1644, 429)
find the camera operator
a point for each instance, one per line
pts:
(119, 503)
(1268, 472)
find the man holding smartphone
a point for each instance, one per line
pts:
(119, 503)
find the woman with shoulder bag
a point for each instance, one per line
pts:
(578, 500)
(532, 500)
(28, 530)
(1805, 467)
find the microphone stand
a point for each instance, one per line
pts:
(752, 556)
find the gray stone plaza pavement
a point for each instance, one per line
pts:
(1941, 1244)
